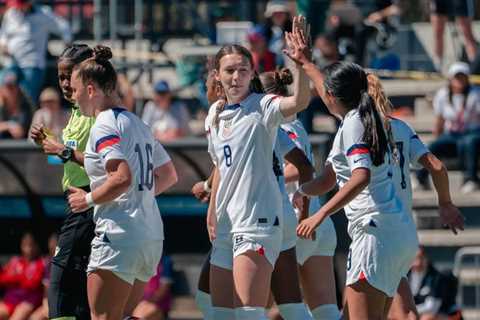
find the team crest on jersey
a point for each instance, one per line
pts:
(227, 128)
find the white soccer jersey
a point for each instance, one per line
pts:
(410, 149)
(241, 146)
(299, 136)
(348, 153)
(283, 145)
(134, 216)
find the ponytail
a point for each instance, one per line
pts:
(374, 134)
(384, 108)
(255, 84)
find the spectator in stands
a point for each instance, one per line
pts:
(263, 59)
(21, 278)
(168, 118)
(51, 115)
(157, 298)
(15, 108)
(325, 50)
(279, 20)
(457, 128)
(41, 313)
(24, 37)
(463, 11)
(432, 291)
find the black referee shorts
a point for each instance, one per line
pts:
(453, 8)
(67, 292)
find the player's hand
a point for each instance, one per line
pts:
(37, 134)
(51, 146)
(451, 217)
(306, 228)
(199, 192)
(297, 42)
(298, 200)
(76, 199)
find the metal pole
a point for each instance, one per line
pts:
(97, 20)
(113, 22)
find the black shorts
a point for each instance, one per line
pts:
(67, 294)
(453, 8)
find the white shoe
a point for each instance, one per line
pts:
(469, 187)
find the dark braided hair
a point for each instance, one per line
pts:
(348, 83)
(276, 82)
(76, 53)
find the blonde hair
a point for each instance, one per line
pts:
(384, 108)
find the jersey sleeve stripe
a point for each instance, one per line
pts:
(358, 149)
(415, 137)
(106, 142)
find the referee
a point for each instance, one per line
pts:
(67, 293)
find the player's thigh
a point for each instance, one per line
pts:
(22, 311)
(251, 275)
(403, 305)
(107, 294)
(364, 302)
(318, 281)
(221, 286)
(285, 284)
(136, 295)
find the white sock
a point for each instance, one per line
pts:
(250, 313)
(204, 304)
(326, 312)
(294, 311)
(219, 313)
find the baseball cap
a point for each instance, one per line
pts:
(275, 6)
(458, 67)
(161, 86)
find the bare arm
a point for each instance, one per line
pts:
(165, 177)
(52, 146)
(211, 213)
(300, 162)
(322, 184)
(119, 179)
(359, 180)
(449, 214)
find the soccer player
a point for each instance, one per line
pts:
(411, 151)
(245, 212)
(384, 240)
(315, 257)
(319, 290)
(127, 168)
(67, 292)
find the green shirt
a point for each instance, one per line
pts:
(75, 135)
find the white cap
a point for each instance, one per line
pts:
(276, 6)
(458, 67)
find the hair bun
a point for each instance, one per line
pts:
(102, 53)
(285, 76)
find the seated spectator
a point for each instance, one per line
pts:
(41, 313)
(325, 50)
(51, 114)
(457, 129)
(157, 299)
(432, 291)
(263, 59)
(278, 21)
(21, 278)
(15, 108)
(169, 119)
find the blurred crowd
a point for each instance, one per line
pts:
(24, 281)
(356, 30)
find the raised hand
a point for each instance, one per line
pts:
(297, 42)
